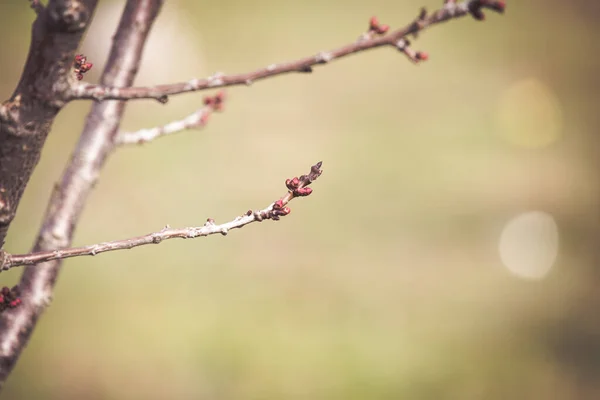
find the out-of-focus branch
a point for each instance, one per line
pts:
(297, 187)
(373, 39)
(70, 194)
(196, 120)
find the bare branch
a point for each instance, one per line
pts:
(296, 187)
(373, 39)
(195, 120)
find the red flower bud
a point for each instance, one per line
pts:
(499, 6)
(305, 191)
(422, 56)
(292, 183)
(220, 96)
(373, 23)
(382, 29)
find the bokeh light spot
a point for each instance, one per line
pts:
(529, 244)
(529, 114)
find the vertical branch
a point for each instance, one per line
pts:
(70, 195)
(26, 118)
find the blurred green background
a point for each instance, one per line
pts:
(386, 283)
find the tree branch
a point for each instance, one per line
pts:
(26, 118)
(197, 119)
(296, 187)
(373, 39)
(70, 195)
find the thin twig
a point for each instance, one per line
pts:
(396, 39)
(296, 187)
(196, 120)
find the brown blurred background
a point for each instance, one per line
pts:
(449, 251)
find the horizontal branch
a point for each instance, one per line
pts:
(197, 119)
(297, 187)
(377, 36)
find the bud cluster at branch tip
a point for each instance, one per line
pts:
(294, 186)
(376, 27)
(212, 103)
(298, 187)
(9, 298)
(81, 66)
(216, 101)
